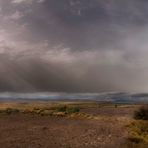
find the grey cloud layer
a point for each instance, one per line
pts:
(73, 45)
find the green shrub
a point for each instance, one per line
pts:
(67, 110)
(142, 113)
(71, 110)
(61, 108)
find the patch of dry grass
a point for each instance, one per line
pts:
(138, 131)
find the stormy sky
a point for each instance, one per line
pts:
(74, 45)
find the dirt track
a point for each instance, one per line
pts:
(27, 131)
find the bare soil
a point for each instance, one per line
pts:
(124, 111)
(32, 131)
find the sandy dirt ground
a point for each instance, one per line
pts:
(30, 131)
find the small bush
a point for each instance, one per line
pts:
(142, 113)
(67, 109)
(11, 110)
(71, 110)
(37, 111)
(46, 113)
(61, 108)
(116, 105)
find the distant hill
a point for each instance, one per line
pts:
(102, 97)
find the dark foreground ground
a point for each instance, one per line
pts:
(107, 130)
(23, 131)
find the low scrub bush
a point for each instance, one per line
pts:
(61, 108)
(46, 113)
(71, 110)
(68, 109)
(142, 113)
(11, 110)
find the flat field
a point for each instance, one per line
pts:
(66, 125)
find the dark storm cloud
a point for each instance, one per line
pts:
(73, 45)
(36, 75)
(85, 24)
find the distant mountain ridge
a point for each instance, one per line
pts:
(113, 97)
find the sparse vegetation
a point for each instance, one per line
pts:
(138, 129)
(9, 111)
(60, 110)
